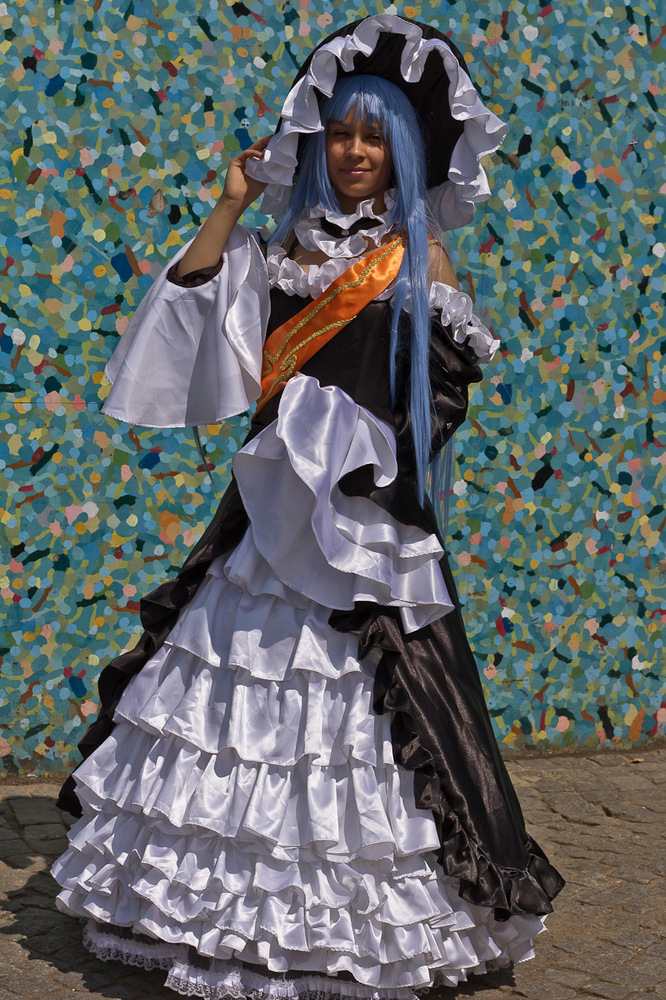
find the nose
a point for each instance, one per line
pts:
(355, 147)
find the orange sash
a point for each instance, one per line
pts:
(296, 341)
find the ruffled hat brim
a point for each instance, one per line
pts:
(458, 128)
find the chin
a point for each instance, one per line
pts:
(359, 191)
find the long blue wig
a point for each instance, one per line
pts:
(386, 108)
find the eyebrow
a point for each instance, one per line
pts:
(373, 126)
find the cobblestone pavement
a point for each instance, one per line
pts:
(601, 818)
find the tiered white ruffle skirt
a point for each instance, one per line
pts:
(246, 819)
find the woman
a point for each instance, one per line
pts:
(300, 791)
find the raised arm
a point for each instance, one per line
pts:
(240, 190)
(191, 353)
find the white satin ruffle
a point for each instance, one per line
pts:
(453, 202)
(277, 707)
(330, 548)
(285, 273)
(301, 812)
(268, 825)
(193, 356)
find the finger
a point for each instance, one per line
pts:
(255, 151)
(249, 154)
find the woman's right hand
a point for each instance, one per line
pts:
(240, 190)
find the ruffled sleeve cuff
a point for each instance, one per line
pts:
(191, 354)
(193, 279)
(455, 309)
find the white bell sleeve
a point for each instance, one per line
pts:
(193, 355)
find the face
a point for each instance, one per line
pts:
(358, 161)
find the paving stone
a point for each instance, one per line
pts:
(618, 972)
(634, 874)
(33, 811)
(11, 878)
(632, 782)
(126, 991)
(476, 987)
(585, 963)
(548, 990)
(539, 818)
(573, 945)
(655, 773)
(69, 994)
(594, 879)
(32, 786)
(633, 813)
(626, 938)
(10, 845)
(27, 984)
(49, 838)
(652, 966)
(608, 991)
(83, 980)
(570, 977)
(574, 807)
(608, 759)
(38, 921)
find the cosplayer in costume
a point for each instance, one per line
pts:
(293, 787)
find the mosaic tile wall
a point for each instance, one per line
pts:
(117, 122)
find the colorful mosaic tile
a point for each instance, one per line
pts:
(117, 126)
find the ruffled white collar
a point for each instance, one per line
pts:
(293, 279)
(351, 240)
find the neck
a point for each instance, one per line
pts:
(348, 205)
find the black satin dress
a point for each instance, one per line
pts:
(428, 679)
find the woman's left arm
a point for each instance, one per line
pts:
(453, 367)
(458, 342)
(439, 266)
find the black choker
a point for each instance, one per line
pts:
(333, 230)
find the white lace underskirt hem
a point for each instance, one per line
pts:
(235, 980)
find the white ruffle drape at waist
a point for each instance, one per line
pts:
(327, 547)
